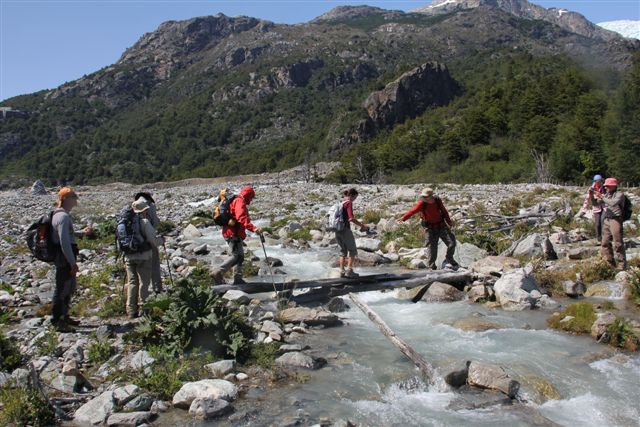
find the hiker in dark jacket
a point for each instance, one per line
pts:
(437, 222)
(66, 261)
(152, 216)
(613, 203)
(596, 205)
(138, 264)
(235, 234)
(344, 237)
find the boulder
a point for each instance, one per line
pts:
(458, 378)
(513, 290)
(271, 327)
(201, 249)
(221, 368)
(309, 316)
(442, 292)
(191, 232)
(493, 377)
(474, 324)
(573, 289)
(141, 360)
(582, 252)
(38, 189)
(144, 402)
(130, 419)
(602, 323)
(368, 244)
(411, 293)
(371, 259)
(479, 293)
(122, 395)
(535, 245)
(494, 265)
(337, 305)
(207, 408)
(606, 289)
(96, 411)
(214, 389)
(297, 359)
(417, 264)
(465, 253)
(237, 296)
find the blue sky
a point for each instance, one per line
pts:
(44, 44)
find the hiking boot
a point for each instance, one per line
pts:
(342, 274)
(71, 321)
(432, 266)
(218, 277)
(62, 326)
(350, 274)
(239, 281)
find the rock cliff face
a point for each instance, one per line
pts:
(570, 21)
(428, 85)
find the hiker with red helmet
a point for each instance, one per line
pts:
(596, 205)
(438, 223)
(234, 233)
(613, 202)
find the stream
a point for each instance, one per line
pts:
(368, 381)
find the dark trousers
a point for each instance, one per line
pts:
(65, 287)
(597, 221)
(433, 236)
(236, 258)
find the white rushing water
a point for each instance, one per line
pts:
(364, 379)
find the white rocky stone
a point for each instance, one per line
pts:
(130, 419)
(191, 232)
(122, 395)
(209, 388)
(221, 368)
(368, 244)
(513, 290)
(237, 296)
(96, 411)
(206, 408)
(493, 377)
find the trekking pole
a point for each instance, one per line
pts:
(166, 257)
(266, 260)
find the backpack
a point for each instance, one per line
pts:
(627, 208)
(129, 238)
(39, 239)
(222, 211)
(335, 218)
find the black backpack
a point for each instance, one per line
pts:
(39, 239)
(129, 238)
(627, 208)
(222, 211)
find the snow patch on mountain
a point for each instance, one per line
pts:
(625, 27)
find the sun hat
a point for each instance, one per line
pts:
(610, 182)
(140, 205)
(597, 178)
(427, 192)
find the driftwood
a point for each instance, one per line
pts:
(423, 366)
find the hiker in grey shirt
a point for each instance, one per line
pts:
(66, 263)
(138, 264)
(612, 230)
(152, 216)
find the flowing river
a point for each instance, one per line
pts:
(369, 382)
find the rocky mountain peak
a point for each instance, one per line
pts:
(341, 13)
(570, 21)
(175, 39)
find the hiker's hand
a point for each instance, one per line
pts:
(74, 270)
(88, 231)
(258, 230)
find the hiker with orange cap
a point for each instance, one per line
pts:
(436, 221)
(234, 233)
(596, 205)
(66, 263)
(613, 202)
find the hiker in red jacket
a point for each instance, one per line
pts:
(234, 234)
(436, 220)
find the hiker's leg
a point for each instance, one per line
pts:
(597, 222)
(605, 245)
(156, 278)
(132, 287)
(352, 250)
(232, 251)
(433, 234)
(144, 279)
(238, 251)
(69, 289)
(450, 240)
(63, 276)
(343, 248)
(618, 244)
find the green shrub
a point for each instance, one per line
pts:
(25, 407)
(10, 356)
(263, 354)
(634, 286)
(99, 351)
(169, 372)
(6, 315)
(408, 235)
(301, 234)
(596, 271)
(113, 307)
(165, 227)
(510, 206)
(372, 216)
(621, 335)
(493, 243)
(48, 343)
(189, 310)
(583, 315)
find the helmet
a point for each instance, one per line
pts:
(610, 182)
(597, 178)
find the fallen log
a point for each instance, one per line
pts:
(423, 366)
